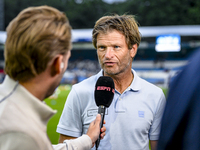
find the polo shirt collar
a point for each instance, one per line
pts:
(135, 85)
(100, 73)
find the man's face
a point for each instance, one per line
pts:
(113, 53)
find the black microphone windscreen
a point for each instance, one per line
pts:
(104, 91)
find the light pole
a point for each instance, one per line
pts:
(1, 15)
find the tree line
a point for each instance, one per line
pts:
(84, 13)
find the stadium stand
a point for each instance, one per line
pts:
(158, 67)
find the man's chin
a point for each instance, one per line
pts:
(110, 72)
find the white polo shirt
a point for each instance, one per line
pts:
(132, 119)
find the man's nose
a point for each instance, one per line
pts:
(109, 53)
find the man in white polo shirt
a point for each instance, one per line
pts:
(134, 117)
(37, 51)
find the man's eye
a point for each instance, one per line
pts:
(116, 46)
(101, 48)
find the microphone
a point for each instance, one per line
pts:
(104, 93)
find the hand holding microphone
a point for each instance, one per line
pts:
(93, 130)
(104, 93)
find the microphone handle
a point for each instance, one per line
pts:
(101, 111)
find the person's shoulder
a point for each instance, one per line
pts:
(87, 83)
(90, 80)
(153, 90)
(195, 55)
(145, 85)
(149, 85)
(194, 61)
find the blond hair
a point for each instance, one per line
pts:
(34, 37)
(125, 24)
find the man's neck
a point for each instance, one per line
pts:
(38, 86)
(123, 81)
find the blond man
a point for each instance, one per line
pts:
(37, 51)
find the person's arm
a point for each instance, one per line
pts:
(93, 131)
(153, 144)
(82, 143)
(155, 127)
(65, 137)
(70, 124)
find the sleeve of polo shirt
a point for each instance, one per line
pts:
(155, 128)
(70, 121)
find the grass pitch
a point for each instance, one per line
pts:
(56, 102)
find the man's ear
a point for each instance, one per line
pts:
(133, 50)
(57, 65)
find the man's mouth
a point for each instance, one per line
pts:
(109, 63)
